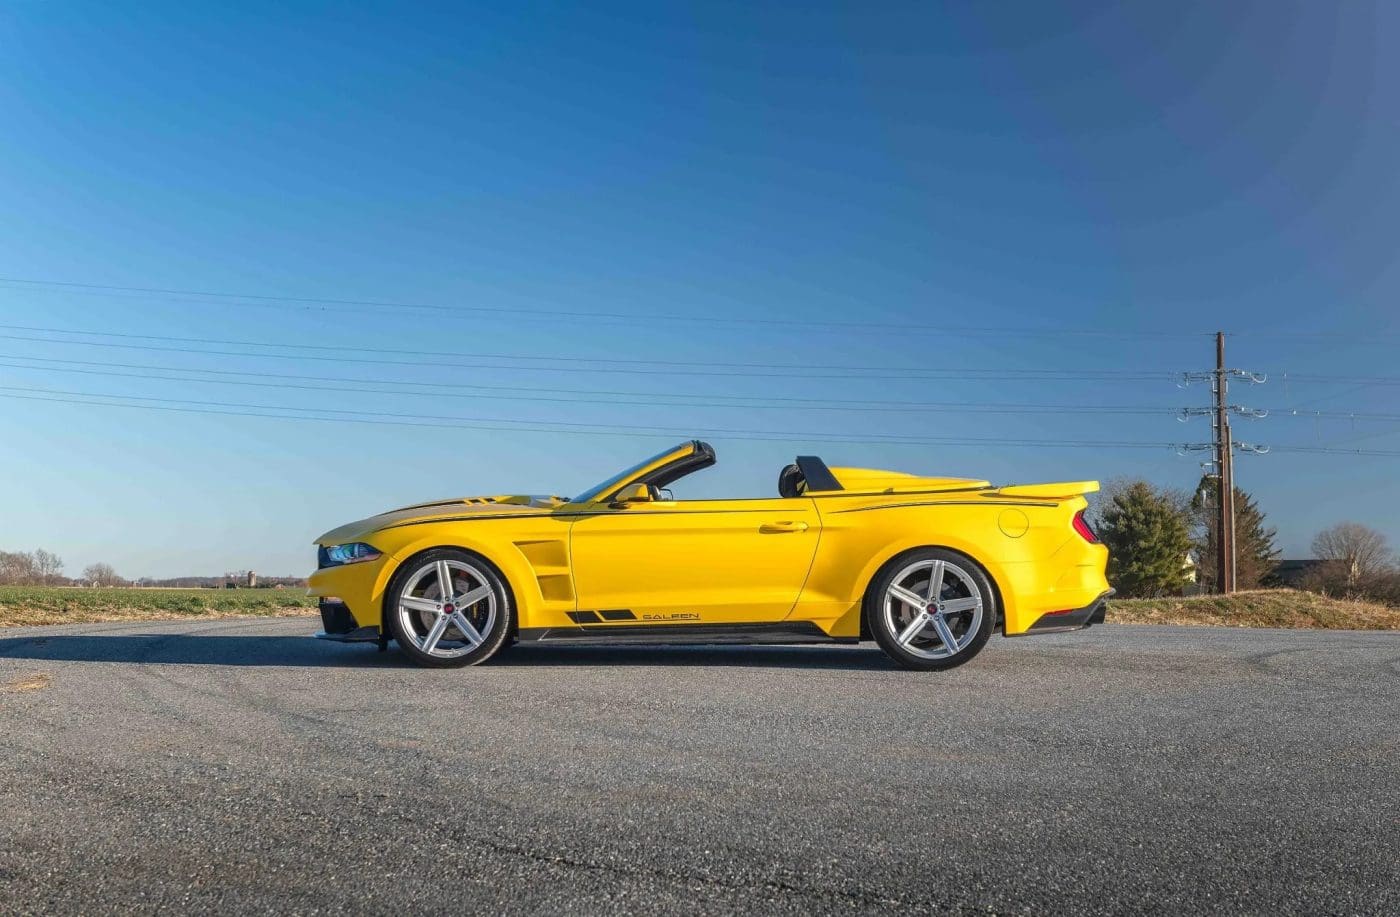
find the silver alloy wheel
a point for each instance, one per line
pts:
(447, 608)
(933, 608)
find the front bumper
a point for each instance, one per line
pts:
(350, 596)
(339, 624)
(1056, 622)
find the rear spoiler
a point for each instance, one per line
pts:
(1061, 491)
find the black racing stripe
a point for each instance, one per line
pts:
(866, 509)
(582, 515)
(399, 525)
(776, 632)
(584, 617)
(897, 493)
(617, 614)
(711, 512)
(682, 512)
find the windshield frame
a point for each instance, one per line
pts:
(612, 484)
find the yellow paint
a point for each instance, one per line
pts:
(727, 561)
(1013, 523)
(807, 558)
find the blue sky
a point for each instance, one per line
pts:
(949, 177)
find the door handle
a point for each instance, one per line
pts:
(782, 528)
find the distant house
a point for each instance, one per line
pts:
(1192, 572)
(1295, 573)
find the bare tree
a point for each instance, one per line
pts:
(101, 575)
(47, 566)
(16, 567)
(1357, 557)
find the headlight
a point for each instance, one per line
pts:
(340, 554)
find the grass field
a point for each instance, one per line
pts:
(1260, 608)
(34, 605)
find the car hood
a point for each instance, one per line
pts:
(458, 508)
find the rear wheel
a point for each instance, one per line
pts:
(931, 609)
(449, 607)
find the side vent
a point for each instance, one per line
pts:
(550, 561)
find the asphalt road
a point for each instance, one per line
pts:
(240, 765)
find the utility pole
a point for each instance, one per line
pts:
(1227, 487)
(1223, 444)
(1225, 465)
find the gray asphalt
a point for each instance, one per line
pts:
(239, 765)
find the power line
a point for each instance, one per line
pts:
(643, 398)
(371, 386)
(671, 367)
(1343, 380)
(308, 303)
(1334, 335)
(277, 412)
(317, 303)
(551, 358)
(1334, 450)
(581, 364)
(1331, 415)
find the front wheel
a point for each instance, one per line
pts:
(931, 609)
(449, 607)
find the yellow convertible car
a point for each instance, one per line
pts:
(928, 567)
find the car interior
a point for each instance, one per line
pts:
(807, 473)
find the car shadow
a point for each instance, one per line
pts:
(196, 649)
(857, 658)
(304, 651)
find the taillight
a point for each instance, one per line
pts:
(1081, 525)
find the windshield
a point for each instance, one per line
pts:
(593, 493)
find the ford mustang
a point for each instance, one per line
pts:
(928, 567)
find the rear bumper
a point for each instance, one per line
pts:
(1072, 619)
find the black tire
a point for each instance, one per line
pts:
(411, 629)
(970, 630)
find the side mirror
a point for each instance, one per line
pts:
(633, 493)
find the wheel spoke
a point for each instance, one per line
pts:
(465, 626)
(467, 599)
(417, 603)
(430, 642)
(444, 577)
(908, 597)
(939, 629)
(935, 580)
(945, 633)
(912, 631)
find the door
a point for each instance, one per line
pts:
(693, 561)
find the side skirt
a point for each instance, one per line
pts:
(686, 634)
